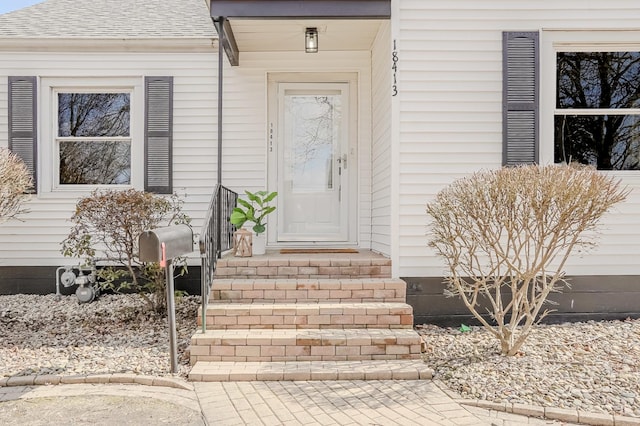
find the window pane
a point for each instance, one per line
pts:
(610, 142)
(598, 80)
(95, 163)
(93, 114)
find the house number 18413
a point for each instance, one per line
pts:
(394, 67)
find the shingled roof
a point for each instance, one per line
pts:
(109, 19)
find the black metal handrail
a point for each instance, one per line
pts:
(216, 237)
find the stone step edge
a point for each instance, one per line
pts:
(301, 347)
(240, 336)
(304, 268)
(297, 261)
(204, 371)
(308, 308)
(328, 327)
(279, 345)
(292, 291)
(307, 315)
(222, 299)
(294, 283)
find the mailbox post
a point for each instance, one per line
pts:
(163, 245)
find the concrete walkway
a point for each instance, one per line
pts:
(383, 402)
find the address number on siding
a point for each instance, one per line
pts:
(394, 67)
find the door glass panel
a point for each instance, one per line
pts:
(312, 124)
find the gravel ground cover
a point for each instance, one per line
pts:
(115, 334)
(593, 366)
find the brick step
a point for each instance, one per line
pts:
(308, 315)
(364, 264)
(304, 345)
(307, 370)
(308, 290)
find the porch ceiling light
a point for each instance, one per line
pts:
(311, 40)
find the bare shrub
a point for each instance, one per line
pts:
(15, 181)
(106, 227)
(506, 235)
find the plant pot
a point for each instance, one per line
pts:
(259, 244)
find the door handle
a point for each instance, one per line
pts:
(343, 161)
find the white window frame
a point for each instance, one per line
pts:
(553, 41)
(48, 147)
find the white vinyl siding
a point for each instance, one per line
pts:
(450, 123)
(451, 113)
(381, 141)
(36, 239)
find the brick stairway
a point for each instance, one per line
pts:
(307, 317)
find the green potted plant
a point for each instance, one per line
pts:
(255, 211)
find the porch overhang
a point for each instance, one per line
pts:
(224, 11)
(301, 9)
(227, 40)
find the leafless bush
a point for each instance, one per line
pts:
(506, 235)
(15, 180)
(107, 225)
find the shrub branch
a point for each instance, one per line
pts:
(506, 236)
(106, 226)
(15, 181)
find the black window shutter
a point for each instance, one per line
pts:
(23, 121)
(520, 98)
(158, 135)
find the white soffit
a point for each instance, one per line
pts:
(288, 35)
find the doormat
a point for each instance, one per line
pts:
(318, 251)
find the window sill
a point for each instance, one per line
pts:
(66, 193)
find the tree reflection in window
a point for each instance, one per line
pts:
(597, 120)
(312, 123)
(94, 138)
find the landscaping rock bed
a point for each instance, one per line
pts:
(115, 334)
(591, 366)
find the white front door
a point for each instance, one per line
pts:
(312, 134)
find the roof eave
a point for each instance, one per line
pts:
(176, 45)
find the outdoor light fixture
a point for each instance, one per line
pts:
(311, 40)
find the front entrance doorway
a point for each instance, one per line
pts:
(311, 132)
